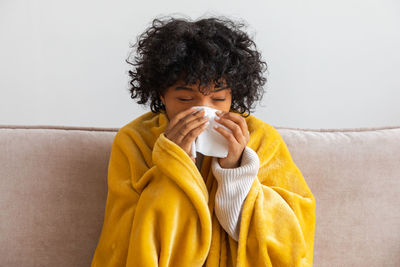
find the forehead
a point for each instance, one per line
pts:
(211, 87)
(196, 89)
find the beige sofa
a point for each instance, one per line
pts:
(53, 188)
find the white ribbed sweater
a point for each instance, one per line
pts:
(233, 186)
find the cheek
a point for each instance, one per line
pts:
(173, 110)
(228, 104)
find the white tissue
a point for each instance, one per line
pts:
(210, 142)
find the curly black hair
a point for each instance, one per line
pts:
(201, 51)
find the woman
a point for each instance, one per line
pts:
(167, 208)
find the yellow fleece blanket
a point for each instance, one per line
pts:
(160, 207)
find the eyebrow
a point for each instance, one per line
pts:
(190, 89)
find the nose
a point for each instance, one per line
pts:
(205, 101)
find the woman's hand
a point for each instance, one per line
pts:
(184, 128)
(237, 139)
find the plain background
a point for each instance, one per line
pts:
(332, 64)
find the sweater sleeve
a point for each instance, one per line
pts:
(233, 187)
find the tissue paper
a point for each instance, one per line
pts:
(210, 142)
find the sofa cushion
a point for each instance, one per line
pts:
(354, 175)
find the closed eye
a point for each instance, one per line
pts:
(185, 99)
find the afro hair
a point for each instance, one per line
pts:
(204, 51)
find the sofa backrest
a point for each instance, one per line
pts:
(53, 190)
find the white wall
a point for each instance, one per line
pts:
(332, 64)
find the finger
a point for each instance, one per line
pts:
(236, 130)
(170, 130)
(239, 120)
(228, 135)
(187, 125)
(192, 135)
(180, 116)
(175, 128)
